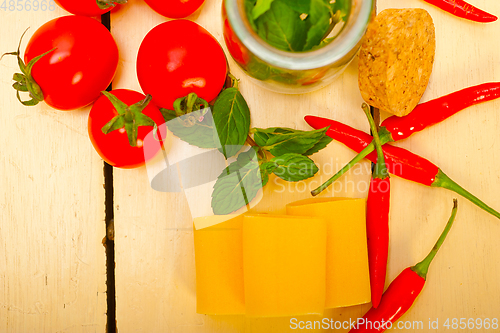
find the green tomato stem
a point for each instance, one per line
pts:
(25, 82)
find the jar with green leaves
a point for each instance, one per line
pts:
(294, 46)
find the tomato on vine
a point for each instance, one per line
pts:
(120, 128)
(89, 7)
(67, 63)
(174, 8)
(177, 58)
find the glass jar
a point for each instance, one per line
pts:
(293, 72)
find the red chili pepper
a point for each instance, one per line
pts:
(403, 291)
(377, 218)
(439, 109)
(399, 161)
(424, 115)
(464, 10)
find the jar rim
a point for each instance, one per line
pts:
(343, 44)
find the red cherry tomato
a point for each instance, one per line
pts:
(86, 7)
(175, 8)
(82, 65)
(179, 57)
(114, 147)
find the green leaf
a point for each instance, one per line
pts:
(282, 27)
(319, 17)
(266, 169)
(248, 157)
(261, 7)
(258, 69)
(232, 121)
(264, 177)
(323, 43)
(318, 146)
(249, 5)
(301, 6)
(294, 167)
(343, 8)
(190, 129)
(237, 185)
(261, 136)
(280, 141)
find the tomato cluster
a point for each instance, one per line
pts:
(168, 8)
(71, 60)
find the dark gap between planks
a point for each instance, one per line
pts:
(109, 218)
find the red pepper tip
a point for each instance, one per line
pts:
(315, 121)
(490, 18)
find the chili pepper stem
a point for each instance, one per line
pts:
(442, 180)
(368, 149)
(380, 168)
(422, 267)
(384, 135)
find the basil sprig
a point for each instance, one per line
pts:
(280, 151)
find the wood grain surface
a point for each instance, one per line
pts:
(52, 261)
(155, 261)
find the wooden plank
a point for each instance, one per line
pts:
(463, 275)
(155, 278)
(153, 230)
(52, 261)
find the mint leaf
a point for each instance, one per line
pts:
(258, 69)
(282, 27)
(280, 141)
(341, 6)
(249, 4)
(237, 185)
(266, 169)
(232, 121)
(248, 157)
(294, 167)
(318, 146)
(319, 18)
(261, 136)
(190, 129)
(261, 7)
(324, 42)
(301, 6)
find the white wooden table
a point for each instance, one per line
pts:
(52, 261)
